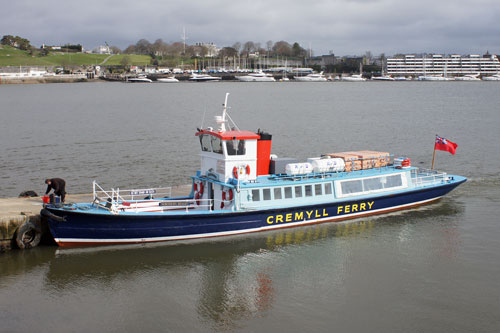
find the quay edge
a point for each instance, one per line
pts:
(18, 212)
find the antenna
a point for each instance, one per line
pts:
(184, 38)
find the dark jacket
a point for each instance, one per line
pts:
(57, 184)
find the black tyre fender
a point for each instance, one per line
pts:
(45, 213)
(28, 236)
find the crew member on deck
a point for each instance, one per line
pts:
(58, 185)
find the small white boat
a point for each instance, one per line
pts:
(203, 78)
(170, 79)
(311, 78)
(402, 78)
(495, 77)
(139, 79)
(468, 77)
(354, 78)
(433, 78)
(256, 77)
(383, 78)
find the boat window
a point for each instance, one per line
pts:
(309, 191)
(328, 188)
(318, 189)
(216, 145)
(288, 192)
(352, 186)
(205, 142)
(277, 193)
(266, 193)
(393, 181)
(235, 147)
(298, 191)
(255, 195)
(371, 184)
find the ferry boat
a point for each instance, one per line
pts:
(242, 188)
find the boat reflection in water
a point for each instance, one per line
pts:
(224, 281)
(233, 276)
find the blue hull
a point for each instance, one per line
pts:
(81, 228)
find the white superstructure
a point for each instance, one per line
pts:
(434, 65)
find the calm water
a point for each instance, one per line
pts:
(434, 269)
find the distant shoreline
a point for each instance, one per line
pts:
(47, 79)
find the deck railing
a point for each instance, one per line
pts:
(426, 177)
(124, 195)
(143, 200)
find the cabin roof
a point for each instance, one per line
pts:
(231, 135)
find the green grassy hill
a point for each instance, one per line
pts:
(10, 56)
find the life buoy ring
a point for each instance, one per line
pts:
(28, 236)
(227, 197)
(198, 191)
(242, 169)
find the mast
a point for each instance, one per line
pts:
(221, 121)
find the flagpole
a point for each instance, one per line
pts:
(434, 154)
(433, 157)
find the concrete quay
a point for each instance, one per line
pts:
(16, 214)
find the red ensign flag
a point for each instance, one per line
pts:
(446, 145)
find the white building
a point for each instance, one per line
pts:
(212, 49)
(102, 49)
(452, 65)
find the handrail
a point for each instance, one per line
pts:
(116, 200)
(425, 177)
(113, 198)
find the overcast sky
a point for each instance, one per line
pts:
(344, 27)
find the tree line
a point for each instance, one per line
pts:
(177, 49)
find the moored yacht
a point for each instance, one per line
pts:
(468, 77)
(433, 78)
(495, 77)
(313, 77)
(354, 78)
(170, 79)
(139, 79)
(383, 78)
(203, 78)
(256, 77)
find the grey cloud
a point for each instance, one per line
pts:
(344, 26)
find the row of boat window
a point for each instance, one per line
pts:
(346, 187)
(289, 192)
(371, 184)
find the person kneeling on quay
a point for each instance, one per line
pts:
(58, 185)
